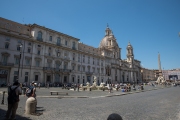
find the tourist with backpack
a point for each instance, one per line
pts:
(13, 99)
(31, 90)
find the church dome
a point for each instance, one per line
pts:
(109, 39)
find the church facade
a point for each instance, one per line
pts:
(36, 53)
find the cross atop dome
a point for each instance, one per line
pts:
(107, 25)
(108, 31)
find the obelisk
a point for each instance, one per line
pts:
(159, 63)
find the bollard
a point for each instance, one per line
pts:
(3, 98)
(30, 105)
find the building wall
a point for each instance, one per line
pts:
(45, 60)
(171, 74)
(148, 74)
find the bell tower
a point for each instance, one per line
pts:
(130, 55)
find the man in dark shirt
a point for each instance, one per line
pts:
(13, 102)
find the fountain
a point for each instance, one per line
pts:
(94, 86)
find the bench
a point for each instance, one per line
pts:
(58, 93)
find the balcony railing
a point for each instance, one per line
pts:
(65, 70)
(56, 69)
(62, 70)
(58, 44)
(66, 58)
(89, 73)
(48, 54)
(74, 48)
(6, 64)
(39, 39)
(48, 68)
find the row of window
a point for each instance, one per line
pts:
(25, 76)
(57, 77)
(27, 61)
(58, 55)
(18, 48)
(39, 37)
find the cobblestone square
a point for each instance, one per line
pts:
(155, 104)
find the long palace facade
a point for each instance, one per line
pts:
(36, 53)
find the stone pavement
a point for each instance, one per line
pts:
(44, 93)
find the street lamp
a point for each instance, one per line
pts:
(19, 61)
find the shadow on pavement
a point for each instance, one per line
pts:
(39, 111)
(18, 117)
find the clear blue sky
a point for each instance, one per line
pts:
(151, 26)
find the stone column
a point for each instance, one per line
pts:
(53, 77)
(62, 78)
(132, 76)
(125, 76)
(135, 76)
(120, 76)
(45, 78)
(69, 65)
(62, 65)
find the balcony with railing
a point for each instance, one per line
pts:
(89, 73)
(48, 68)
(6, 64)
(74, 48)
(58, 44)
(66, 58)
(49, 54)
(65, 70)
(39, 39)
(62, 70)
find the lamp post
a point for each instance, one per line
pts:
(19, 61)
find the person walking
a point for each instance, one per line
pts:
(109, 86)
(39, 85)
(48, 85)
(78, 87)
(13, 99)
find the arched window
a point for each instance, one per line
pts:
(39, 37)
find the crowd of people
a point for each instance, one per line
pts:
(126, 87)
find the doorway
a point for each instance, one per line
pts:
(65, 79)
(89, 79)
(48, 78)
